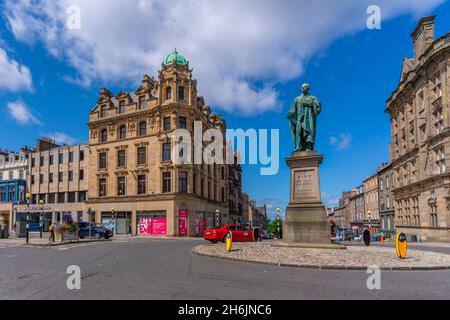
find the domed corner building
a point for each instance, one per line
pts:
(133, 179)
(419, 111)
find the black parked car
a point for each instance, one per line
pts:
(86, 229)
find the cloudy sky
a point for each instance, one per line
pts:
(249, 56)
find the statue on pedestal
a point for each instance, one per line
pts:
(303, 120)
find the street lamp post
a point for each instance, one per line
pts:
(28, 197)
(369, 213)
(89, 211)
(41, 219)
(217, 217)
(114, 221)
(278, 223)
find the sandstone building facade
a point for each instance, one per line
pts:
(57, 175)
(420, 137)
(134, 182)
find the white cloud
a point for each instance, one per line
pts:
(20, 112)
(343, 142)
(62, 138)
(329, 200)
(13, 76)
(239, 49)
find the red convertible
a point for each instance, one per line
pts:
(240, 233)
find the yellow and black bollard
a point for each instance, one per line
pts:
(229, 241)
(400, 245)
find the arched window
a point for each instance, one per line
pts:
(180, 93)
(104, 135)
(143, 128)
(169, 93)
(122, 132)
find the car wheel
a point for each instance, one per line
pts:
(213, 241)
(97, 236)
(106, 237)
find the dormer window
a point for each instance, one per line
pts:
(141, 102)
(103, 111)
(181, 93)
(122, 106)
(169, 93)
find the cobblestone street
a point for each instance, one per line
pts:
(354, 257)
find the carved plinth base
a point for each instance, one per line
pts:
(306, 216)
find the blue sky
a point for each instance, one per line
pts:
(51, 77)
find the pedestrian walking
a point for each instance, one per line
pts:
(130, 233)
(51, 228)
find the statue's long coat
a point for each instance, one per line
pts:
(303, 119)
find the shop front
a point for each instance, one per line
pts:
(152, 223)
(118, 222)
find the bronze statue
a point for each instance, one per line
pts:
(303, 120)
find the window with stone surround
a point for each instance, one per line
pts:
(141, 156)
(104, 135)
(166, 124)
(122, 132)
(167, 181)
(121, 158)
(181, 93)
(168, 93)
(122, 106)
(121, 182)
(102, 187)
(440, 160)
(143, 128)
(103, 111)
(182, 123)
(438, 121)
(142, 184)
(102, 160)
(166, 152)
(433, 215)
(182, 182)
(141, 102)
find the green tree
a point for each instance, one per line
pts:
(273, 226)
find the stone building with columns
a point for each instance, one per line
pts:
(420, 137)
(134, 182)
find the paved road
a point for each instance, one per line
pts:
(165, 269)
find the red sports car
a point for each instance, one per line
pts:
(240, 233)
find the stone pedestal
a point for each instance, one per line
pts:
(306, 217)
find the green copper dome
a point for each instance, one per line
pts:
(175, 57)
